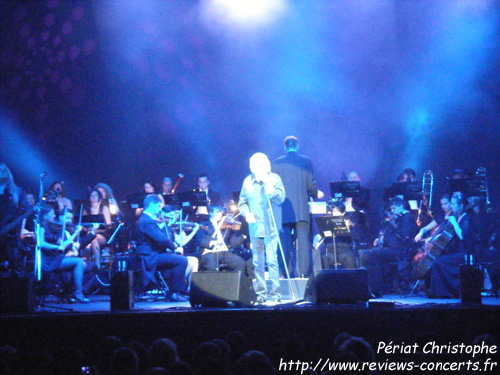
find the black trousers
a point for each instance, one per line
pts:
(377, 262)
(177, 265)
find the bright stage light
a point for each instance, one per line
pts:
(245, 11)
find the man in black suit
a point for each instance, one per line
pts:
(399, 230)
(213, 198)
(357, 208)
(152, 241)
(296, 172)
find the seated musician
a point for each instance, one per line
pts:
(166, 186)
(213, 198)
(83, 239)
(148, 188)
(28, 224)
(108, 198)
(357, 209)
(153, 245)
(445, 271)
(53, 251)
(400, 229)
(95, 208)
(214, 247)
(59, 202)
(178, 235)
(438, 219)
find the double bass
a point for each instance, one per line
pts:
(432, 249)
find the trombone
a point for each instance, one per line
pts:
(483, 184)
(427, 186)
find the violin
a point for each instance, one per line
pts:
(234, 225)
(70, 227)
(185, 225)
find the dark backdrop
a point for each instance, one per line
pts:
(122, 91)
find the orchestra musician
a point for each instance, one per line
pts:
(213, 198)
(445, 201)
(83, 239)
(445, 271)
(53, 249)
(108, 198)
(210, 237)
(297, 174)
(28, 224)
(60, 201)
(148, 188)
(13, 203)
(166, 186)
(98, 211)
(152, 244)
(400, 229)
(357, 209)
(177, 233)
(260, 189)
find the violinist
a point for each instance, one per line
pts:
(214, 247)
(445, 271)
(156, 250)
(438, 219)
(82, 240)
(176, 232)
(399, 230)
(53, 248)
(101, 214)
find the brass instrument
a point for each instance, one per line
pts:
(483, 184)
(427, 187)
(177, 182)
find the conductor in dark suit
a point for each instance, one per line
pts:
(296, 172)
(152, 242)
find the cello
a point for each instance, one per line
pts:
(432, 249)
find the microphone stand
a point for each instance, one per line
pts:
(280, 246)
(38, 250)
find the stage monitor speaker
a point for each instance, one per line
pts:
(471, 283)
(16, 295)
(121, 291)
(221, 289)
(338, 287)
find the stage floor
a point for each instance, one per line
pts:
(101, 304)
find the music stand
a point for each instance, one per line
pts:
(396, 189)
(333, 227)
(468, 186)
(136, 200)
(344, 189)
(188, 200)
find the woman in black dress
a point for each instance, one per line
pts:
(445, 271)
(100, 213)
(53, 251)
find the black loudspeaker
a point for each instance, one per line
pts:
(221, 289)
(16, 295)
(338, 286)
(121, 291)
(471, 283)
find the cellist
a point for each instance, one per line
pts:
(445, 271)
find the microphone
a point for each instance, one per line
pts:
(43, 174)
